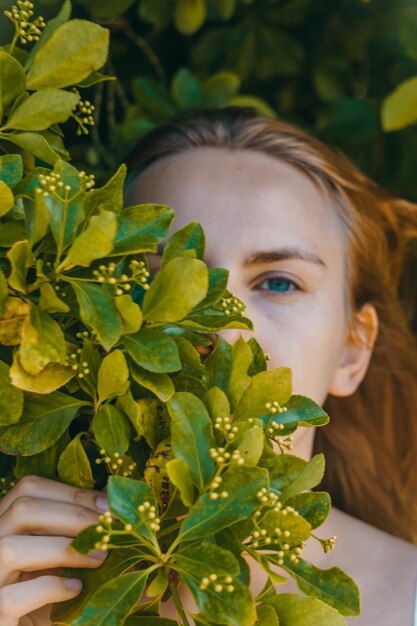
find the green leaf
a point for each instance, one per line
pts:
(21, 259)
(115, 564)
(154, 350)
(235, 608)
(332, 585)
(299, 610)
(283, 469)
(160, 384)
(141, 227)
(51, 26)
(216, 403)
(220, 87)
(113, 376)
(186, 89)
(179, 475)
(111, 429)
(218, 278)
(34, 143)
(156, 12)
(251, 445)
(158, 585)
(130, 313)
(106, 9)
(36, 217)
(113, 602)
(124, 496)
(192, 436)
(6, 198)
(50, 302)
(266, 616)
(190, 237)
(218, 365)
(43, 342)
(274, 384)
(11, 168)
(176, 290)
(99, 312)
(95, 242)
(296, 525)
(12, 81)
(308, 478)
(189, 15)
(42, 109)
(11, 232)
(107, 198)
(44, 420)
(399, 108)
(239, 379)
(73, 51)
(259, 363)
(313, 506)
(260, 106)
(11, 398)
(43, 464)
(52, 377)
(301, 411)
(148, 620)
(208, 516)
(74, 467)
(153, 97)
(4, 293)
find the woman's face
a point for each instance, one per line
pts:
(252, 207)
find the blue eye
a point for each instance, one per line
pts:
(279, 284)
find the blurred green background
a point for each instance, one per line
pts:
(325, 65)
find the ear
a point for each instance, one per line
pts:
(356, 353)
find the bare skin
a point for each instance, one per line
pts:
(246, 202)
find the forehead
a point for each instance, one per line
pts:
(243, 199)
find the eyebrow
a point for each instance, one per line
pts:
(276, 254)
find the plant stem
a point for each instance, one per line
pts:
(179, 606)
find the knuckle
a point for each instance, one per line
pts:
(20, 508)
(82, 496)
(85, 517)
(27, 485)
(8, 551)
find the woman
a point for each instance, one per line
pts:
(315, 250)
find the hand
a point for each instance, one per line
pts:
(38, 519)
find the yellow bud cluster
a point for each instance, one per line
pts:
(328, 544)
(222, 457)
(5, 485)
(115, 462)
(105, 274)
(218, 583)
(139, 273)
(27, 31)
(274, 407)
(232, 305)
(224, 424)
(148, 515)
(72, 361)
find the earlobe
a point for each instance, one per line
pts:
(356, 353)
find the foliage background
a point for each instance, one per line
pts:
(325, 65)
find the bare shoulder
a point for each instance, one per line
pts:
(383, 566)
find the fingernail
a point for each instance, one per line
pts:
(98, 554)
(102, 504)
(73, 584)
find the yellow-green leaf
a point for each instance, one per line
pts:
(11, 398)
(399, 108)
(72, 52)
(21, 259)
(43, 342)
(42, 109)
(6, 198)
(74, 467)
(52, 377)
(190, 15)
(95, 242)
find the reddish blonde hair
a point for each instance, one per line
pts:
(371, 442)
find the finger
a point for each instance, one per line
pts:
(19, 599)
(40, 487)
(22, 553)
(38, 516)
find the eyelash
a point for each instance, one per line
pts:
(279, 278)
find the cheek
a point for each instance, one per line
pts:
(307, 341)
